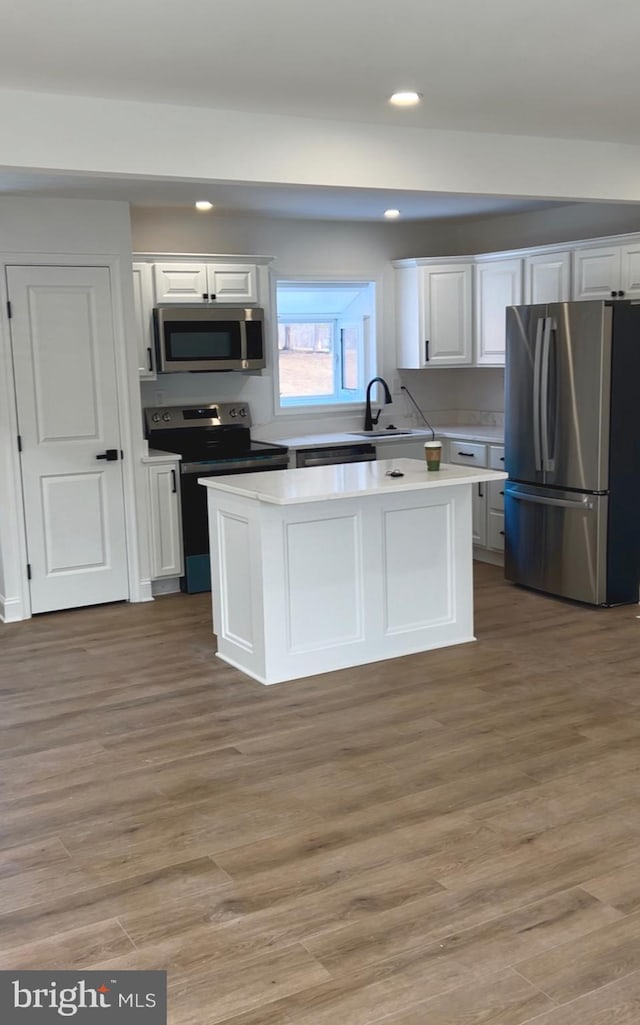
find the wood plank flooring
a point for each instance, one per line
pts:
(444, 839)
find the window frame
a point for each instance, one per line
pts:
(369, 342)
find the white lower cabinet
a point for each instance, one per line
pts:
(487, 509)
(165, 526)
(495, 515)
(479, 515)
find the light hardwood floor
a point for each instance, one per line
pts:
(444, 839)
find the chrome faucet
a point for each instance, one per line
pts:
(369, 419)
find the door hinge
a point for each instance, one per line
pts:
(28, 571)
(9, 314)
(19, 443)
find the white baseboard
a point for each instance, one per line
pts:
(11, 610)
(145, 592)
(167, 585)
(488, 555)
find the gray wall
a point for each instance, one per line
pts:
(308, 247)
(542, 227)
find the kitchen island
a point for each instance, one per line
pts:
(322, 568)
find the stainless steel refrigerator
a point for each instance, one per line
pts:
(572, 450)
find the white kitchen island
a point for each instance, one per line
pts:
(325, 567)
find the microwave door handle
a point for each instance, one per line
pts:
(537, 369)
(243, 343)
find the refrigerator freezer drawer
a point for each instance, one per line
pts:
(555, 541)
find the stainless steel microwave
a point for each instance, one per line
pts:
(200, 339)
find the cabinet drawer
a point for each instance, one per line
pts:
(495, 530)
(468, 453)
(495, 495)
(496, 457)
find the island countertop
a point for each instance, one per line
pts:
(346, 480)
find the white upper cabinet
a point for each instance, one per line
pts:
(143, 306)
(232, 283)
(498, 284)
(205, 282)
(630, 271)
(180, 282)
(608, 273)
(547, 278)
(434, 315)
(596, 273)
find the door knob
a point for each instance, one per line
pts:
(110, 455)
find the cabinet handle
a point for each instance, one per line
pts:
(502, 532)
(621, 293)
(613, 295)
(469, 455)
(212, 296)
(502, 459)
(501, 492)
(426, 350)
(206, 296)
(174, 483)
(480, 491)
(149, 360)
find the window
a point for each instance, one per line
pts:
(324, 342)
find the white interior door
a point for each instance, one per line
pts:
(64, 361)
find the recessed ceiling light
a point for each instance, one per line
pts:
(405, 99)
(204, 204)
(392, 214)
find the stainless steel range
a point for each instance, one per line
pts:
(213, 440)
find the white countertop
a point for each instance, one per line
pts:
(472, 432)
(345, 480)
(156, 455)
(346, 438)
(466, 432)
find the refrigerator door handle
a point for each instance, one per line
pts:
(565, 503)
(549, 326)
(537, 369)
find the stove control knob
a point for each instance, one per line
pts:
(166, 417)
(242, 412)
(156, 418)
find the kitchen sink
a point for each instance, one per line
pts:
(388, 432)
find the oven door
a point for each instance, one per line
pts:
(195, 523)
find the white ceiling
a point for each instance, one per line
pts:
(545, 68)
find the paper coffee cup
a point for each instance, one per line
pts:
(433, 454)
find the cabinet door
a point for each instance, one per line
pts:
(166, 533)
(180, 282)
(232, 283)
(446, 315)
(498, 285)
(479, 515)
(547, 278)
(143, 305)
(495, 530)
(630, 276)
(596, 273)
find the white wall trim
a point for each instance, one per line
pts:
(11, 610)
